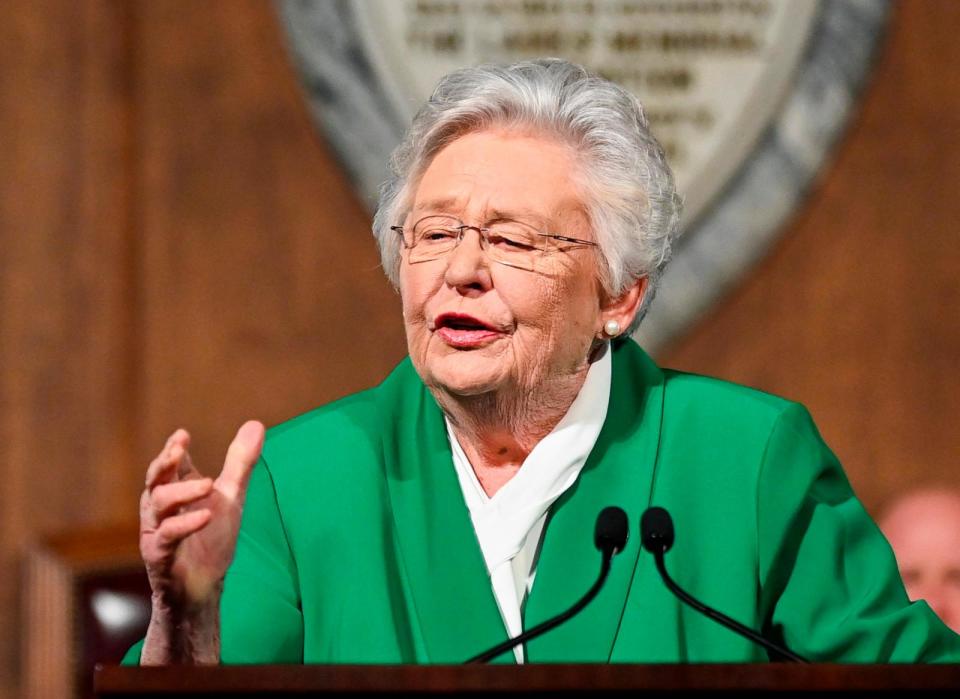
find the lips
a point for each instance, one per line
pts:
(464, 331)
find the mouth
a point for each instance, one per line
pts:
(465, 331)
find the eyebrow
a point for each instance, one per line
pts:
(518, 214)
(521, 214)
(436, 204)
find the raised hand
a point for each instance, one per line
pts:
(188, 530)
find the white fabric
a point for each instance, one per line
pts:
(509, 525)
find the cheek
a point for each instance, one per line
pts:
(416, 288)
(573, 304)
(557, 313)
(534, 305)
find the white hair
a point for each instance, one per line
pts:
(632, 202)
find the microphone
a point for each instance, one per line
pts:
(656, 534)
(610, 536)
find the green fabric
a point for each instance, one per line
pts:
(356, 545)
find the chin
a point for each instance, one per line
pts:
(466, 375)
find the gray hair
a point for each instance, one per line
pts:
(633, 205)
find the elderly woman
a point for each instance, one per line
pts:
(527, 218)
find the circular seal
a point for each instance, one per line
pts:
(747, 97)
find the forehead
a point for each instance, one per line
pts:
(925, 527)
(501, 174)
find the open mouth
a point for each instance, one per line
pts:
(464, 331)
(460, 321)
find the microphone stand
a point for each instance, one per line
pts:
(610, 537)
(721, 618)
(545, 626)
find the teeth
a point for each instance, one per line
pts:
(457, 324)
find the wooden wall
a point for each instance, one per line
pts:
(178, 247)
(857, 311)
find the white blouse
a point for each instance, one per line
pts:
(509, 525)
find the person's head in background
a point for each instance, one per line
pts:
(923, 527)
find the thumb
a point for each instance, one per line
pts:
(242, 454)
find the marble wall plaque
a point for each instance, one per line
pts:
(709, 74)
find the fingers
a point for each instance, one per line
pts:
(185, 467)
(168, 498)
(162, 470)
(241, 456)
(174, 529)
(169, 459)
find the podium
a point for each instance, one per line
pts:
(650, 680)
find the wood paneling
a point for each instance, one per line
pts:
(855, 312)
(64, 409)
(178, 249)
(260, 275)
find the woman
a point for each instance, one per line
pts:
(526, 222)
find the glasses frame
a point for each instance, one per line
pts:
(483, 231)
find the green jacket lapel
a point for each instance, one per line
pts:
(444, 568)
(618, 472)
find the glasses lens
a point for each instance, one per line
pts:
(433, 236)
(509, 242)
(516, 244)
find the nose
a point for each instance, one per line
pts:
(467, 264)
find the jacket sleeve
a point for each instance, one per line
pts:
(830, 588)
(260, 616)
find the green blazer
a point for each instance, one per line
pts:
(356, 545)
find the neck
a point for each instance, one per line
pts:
(498, 430)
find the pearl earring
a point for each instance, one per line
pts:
(611, 328)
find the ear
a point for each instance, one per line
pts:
(623, 308)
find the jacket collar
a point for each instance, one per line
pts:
(441, 560)
(619, 472)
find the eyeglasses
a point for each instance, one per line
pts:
(508, 242)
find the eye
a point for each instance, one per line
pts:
(953, 578)
(509, 243)
(910, 576)
(437, 235)
(512, 238)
